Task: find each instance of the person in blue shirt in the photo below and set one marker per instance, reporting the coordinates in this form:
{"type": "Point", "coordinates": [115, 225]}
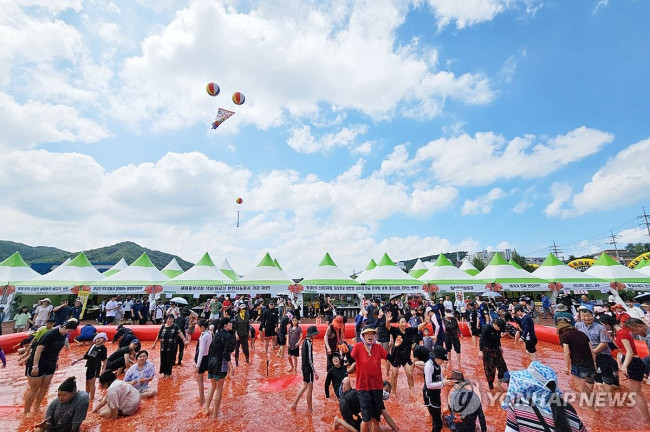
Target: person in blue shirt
{"type": "Point", "coordinates": [62, 313]}
{"type": "Point", "coordinates": [527, 332]}
{"type": "Point", "coordinates": [546, 306]}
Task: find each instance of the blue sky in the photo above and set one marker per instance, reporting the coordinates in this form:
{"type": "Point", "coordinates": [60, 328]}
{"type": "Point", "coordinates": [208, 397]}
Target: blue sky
{"type": "Point", "coordinates": [411, 128]}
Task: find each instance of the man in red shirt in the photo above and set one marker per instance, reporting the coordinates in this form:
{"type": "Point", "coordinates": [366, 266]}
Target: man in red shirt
{"type": "Point", "coordinates": [368, 356]}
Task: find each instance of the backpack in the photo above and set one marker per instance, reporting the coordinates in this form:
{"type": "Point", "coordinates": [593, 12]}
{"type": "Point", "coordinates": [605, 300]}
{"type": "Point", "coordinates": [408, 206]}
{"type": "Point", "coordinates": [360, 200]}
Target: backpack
{"type": "Point", "coordinates": [463, 403]}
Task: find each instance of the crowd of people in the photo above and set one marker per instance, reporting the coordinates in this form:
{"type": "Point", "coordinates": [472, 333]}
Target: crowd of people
{"type": "Point", "coordinates": [402, 333]}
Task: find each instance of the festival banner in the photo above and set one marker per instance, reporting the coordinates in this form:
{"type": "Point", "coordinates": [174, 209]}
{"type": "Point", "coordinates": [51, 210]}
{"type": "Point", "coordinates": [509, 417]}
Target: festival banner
{"type": "Point", "coordinates": [83, 292]}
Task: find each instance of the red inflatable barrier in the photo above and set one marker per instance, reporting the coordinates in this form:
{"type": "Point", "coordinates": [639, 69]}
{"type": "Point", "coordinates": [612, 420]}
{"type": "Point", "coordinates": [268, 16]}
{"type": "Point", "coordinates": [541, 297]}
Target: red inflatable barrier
{"type": "Point", "coordinates": [149, 333]}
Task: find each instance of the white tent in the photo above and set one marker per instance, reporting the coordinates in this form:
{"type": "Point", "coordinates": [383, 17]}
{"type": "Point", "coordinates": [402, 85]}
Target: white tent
{"type": "Point", "coordinates": [388, 274]}
{"type": "Point", "coordinates": [15, 269]}
{"type": "Point", "coordinates": [609, 269]}
{"type": "Point", "coordinates": [266, 277]}
{"type": "Point", "coordinates": [76, 272]}
{"type": "Point", "coordinates": [172, 269]}
{"type": "Point", "coordinates": [118, 267]}
{"type": "Point", "coordinates": [419, 268]}
{"type": "Point", "coordinates": [133, 279]}
{"type": "Point", "coordinates": [204, 277]}
{"type": "Point", "coordinates": [367, 273]}
{"type": "Point", "coordinates": [227, 270]}
{"type": "Point", "coordinates": [447, 277]}
{"type": "Point", "coordinates": [468, 267]}
{"type": "Point", "coordinates": [501, 273]}
{"type": "Point", "coordinates": [328, 278]}
{"type": "Point", "coordinates": [561, 276]}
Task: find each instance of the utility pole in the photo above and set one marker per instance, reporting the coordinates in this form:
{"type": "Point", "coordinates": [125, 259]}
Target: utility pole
{"type": "Point", "coordinates": [555, 250]}
{"type": "Point", "coordinates": [645, 217]}
{"type": "Point", "coordinates": [614, 243]}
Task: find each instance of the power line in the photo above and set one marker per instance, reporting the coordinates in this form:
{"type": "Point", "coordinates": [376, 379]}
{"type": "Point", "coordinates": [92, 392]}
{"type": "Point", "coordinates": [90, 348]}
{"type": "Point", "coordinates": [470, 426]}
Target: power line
{"type": "Point", "coordinates": [645, 217]}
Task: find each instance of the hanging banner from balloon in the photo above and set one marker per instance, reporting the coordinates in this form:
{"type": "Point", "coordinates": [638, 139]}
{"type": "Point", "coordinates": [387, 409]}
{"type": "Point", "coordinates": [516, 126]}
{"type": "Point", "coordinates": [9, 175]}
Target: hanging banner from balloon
{"type": "Point", "coordinates": [222, 116]}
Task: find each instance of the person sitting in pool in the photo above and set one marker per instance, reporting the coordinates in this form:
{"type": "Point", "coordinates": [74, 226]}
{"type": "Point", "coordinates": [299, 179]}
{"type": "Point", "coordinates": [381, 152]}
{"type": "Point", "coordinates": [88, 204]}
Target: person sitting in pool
{"type": "Point", "coordinates": [141, 374]}
{"type": "Point", "coordinates": [121, 399]}
{"type": "Point", "coordinates": [350, 408]}
{"type": "Point", "coordinates": [67, 411]}
{"type": "Point", "coordinates": [124, 357]}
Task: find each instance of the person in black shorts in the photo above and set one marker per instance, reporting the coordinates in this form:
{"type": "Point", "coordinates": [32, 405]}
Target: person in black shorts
{"type": "Point", "coordinates": [124, 357]}
{"type": "Point", "coordinates": [452, 333]}
{"type": "Point", "coordinates": [269, 325]}
{"type": "Point", "coordinates": [401, 353]}
{"type": "Point", "coordinates": [42, 363]}
{"type": "Point", "coordinates": [95, 362]}
{"type": "Point", "coordinates": [308, 371]}
{"type": "Point", "coordinates": [350, 408]}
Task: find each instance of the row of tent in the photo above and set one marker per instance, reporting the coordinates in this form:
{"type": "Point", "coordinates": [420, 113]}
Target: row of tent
{"type": "Point", "coordinates": [268, 277]}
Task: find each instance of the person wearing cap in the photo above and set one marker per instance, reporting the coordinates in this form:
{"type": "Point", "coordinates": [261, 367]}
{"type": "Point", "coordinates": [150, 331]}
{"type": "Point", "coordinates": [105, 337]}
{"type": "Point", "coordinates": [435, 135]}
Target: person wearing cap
{"type": "Point", "coordinates": [42, 363]}
{"type": "Point", "coordinates": [333, 339]}
{"type": "Point", "coordinates": [124, 357]}
{"type": "Point", "coordinates": [96, 360]}
{"type": "Point", "coordinates": [219, 364]}
{"type": "Point", "coordinates": [242, 332]}
{"type": "Point", "coordinates": [169, 335]}
{"type": "Point", "coordinates": [67, 411]}
{"type": "Point", "coordinates": [464, 405]}
{"type": "Point", "coordinates": [606, 367]}
{"type": "Point", "coordinates": [433, 384]}
{"type": "Point", "coordinates": [42, 312]}
{"type": "Point", "coordinates": [309, 373]}
{"type": "Point", "coordinates": [141, 374]}
{"type": "Point", "coordinates": [491, 352]}
{"type": "Point", "coordinates": [62, 312]}
{"type": "Point", "coordinates": [579, 359]}
{"type": "Point", "coordinates": [368, 356]}
{"type": "Point", "coordinates": [562, 313]}
{"type": "Point", "coordinates": [527, 332]}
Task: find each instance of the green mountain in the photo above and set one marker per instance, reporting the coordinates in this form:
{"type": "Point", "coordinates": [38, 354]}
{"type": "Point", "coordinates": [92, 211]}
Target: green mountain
{"type": "Point", "coordinates": [109, 254]}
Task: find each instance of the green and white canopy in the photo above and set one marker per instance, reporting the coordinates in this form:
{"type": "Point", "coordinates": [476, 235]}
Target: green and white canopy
{"type": "Point", "coordinates": [131, 280]}
{"type": "Point", "coordinates": [329, 278]}
{"type": "Point", "coordinates": [118, 267]}
{"type": "Point", "coordinates": [501, 272]}
{"type": "Point", "coordinates": [468, 268]}
{"type": "Point", "coordinates": [391, 278]}
{"type": "Point", "coordinates": [513, 263]}
{"type": "Point", "coordinates": [15, 269]}
{"type": "Point", "coordinates": [227, 270]}
{"type": "Point", "coordinates": [172, 269]}
{"type": "Point", "coordinates": [203, 278]}
{"type": "Point", "coordinates": [609, 269]}
{"type": "Point", "coordinates": [364, 275]}
{"type": "Point", "coordinates": [555, 271]}
{"type": "Point", "coordinates": [77, 271]}
{"type": "Point", "coordinates": [418, 269]}
{"type": "Point", "coordinates": [265, 278]}
{"type": "Point", "coordinates": [447, 277]}
{"type": "Point", "coordinates": [643, 267]}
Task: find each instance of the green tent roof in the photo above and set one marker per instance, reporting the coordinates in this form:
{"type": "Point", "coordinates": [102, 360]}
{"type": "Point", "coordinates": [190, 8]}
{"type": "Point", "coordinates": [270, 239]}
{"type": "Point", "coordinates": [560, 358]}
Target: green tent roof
{"type": "Point", "coordinates": [552, 260]}
{"type": "Point", "coordinates": [498, 260]}
{"type": "Point", "coordinates": [606, 260]}
{"type": "Point", "coordinates": [327, 260]}
{"type": "Point", "coordinates": [443, 261]}
{"type": "Point", "coordinates": [15, 260]}
{"type": "Point", "coordinates": [205, 261]}
{"type": "Point", "coordinates": [513, 263]}
{"type": "Point", "coordinates": [142, 261]}
{"type": "Point", "coordinates": [80, 261]}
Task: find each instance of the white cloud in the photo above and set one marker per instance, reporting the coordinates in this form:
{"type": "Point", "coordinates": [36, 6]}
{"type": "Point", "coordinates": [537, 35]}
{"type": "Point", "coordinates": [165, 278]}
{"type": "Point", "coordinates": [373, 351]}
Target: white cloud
{"type": "Point", "coordinates": [600, 4]}
{"type": "Point", "coordinates": [509, 68]}
{"type": "Point", "coordinates": [346, 58]}
{"type": "Point", "coordinates": [561, 193]}
{"type": "Point", "coordinates": [483, 204]}
{"type": "Point", "coordinates": [625, 179]}
{"type": "Point", "coordinates": [303, 141]}
{"type": "Point", "coordinates": [487, 156]}
{"type": "Point", "coordinates": [185, 202]}
{"type": "Point", "coordinates": [522, 206]}
{"type": "Point", "coordinates": [25, 125]}
{"type": "Point", "coordinates": [467, 12]}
